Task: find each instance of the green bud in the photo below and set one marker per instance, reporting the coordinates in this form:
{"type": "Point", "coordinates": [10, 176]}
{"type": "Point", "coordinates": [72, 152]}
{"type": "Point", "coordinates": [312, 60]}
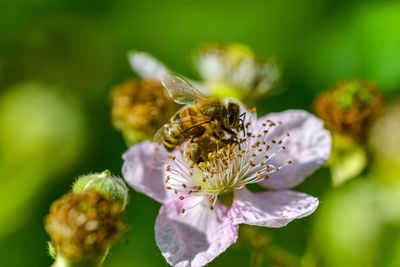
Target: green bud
{"type": "Point", "coordinates": [112, 187]}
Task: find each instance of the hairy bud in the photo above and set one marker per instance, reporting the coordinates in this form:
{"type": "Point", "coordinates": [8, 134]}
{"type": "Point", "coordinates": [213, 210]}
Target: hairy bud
{"type": "Point", "coordinates": [104, 183]}
{"type": "Point", "coordinates": [349, 107]}
{"type": "Point", "coordinates": [139, 108]}
{"type": "Point", "coordinates": [84, 226]}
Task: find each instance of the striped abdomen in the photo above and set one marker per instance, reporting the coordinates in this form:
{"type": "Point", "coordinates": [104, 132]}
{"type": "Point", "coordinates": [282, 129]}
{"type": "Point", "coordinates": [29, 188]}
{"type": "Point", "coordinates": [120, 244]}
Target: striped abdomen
{"type": "Point", "coordinates": [181, 127]}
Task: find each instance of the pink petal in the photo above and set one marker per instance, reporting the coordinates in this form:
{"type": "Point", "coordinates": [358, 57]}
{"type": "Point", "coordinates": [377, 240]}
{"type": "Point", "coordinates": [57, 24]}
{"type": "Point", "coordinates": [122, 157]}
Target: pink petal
{"type": "Point", "coordinates": [196, 237]}
{"type": "Point", "coordinates": [142, 172]}
{"type": "Point", "coordinates": [146, 65]}
{"type": "Point", "coordinates": [271, 209]}
{"type": "Point", "coordinates": [308, 147]}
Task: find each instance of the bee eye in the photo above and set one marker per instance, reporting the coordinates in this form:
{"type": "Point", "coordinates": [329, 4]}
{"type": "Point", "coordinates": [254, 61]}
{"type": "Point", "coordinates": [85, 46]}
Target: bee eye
{"type": "Point", "coordinates": [231, 119]}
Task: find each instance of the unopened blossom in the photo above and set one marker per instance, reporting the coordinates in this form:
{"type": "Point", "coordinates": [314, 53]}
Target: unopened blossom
{"type": "Point", "coordinates": [110, 186]}
{"type": "Point", "coordinates": [139, 108]}
{"type": "Point", "coordinates": [83, 227]}
{"type": "Point", "coordinates": [230, 70]}
{"type": "Point", "coordinates": [235, 68]}
{"type": "Point", "coordinates": [204, 204]}
{"type": "Point", "coordinates": [349, 107]}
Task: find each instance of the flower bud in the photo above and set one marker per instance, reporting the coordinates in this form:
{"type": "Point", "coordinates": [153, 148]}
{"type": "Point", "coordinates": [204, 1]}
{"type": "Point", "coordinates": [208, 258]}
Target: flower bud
{"type": "Point", "coordinates": [349, 107]}
{"type": "Point", "coordinates": [83, 227]}
{"type": "Point", "coordinates": [139, 108]}
{"type": "Point", "coordinates": [111, 187]}
{"type": "Point", "coordinates": [233, 70]}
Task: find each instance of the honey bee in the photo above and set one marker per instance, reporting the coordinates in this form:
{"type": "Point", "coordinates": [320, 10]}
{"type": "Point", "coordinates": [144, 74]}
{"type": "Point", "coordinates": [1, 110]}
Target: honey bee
{"type": "Point", "coordinates": [203, 116]}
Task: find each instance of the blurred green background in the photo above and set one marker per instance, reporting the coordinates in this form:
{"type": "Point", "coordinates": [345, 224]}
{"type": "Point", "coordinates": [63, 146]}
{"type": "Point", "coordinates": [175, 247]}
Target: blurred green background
{"type": "Point", "coordinates": [58, 60]}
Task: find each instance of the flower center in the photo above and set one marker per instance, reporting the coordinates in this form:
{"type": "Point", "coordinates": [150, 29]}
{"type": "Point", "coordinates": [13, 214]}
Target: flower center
{"type": "Point", "coordinates": [250, 160]}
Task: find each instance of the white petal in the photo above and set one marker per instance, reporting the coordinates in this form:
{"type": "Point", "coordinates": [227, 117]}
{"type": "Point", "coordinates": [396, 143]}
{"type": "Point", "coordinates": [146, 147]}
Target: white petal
{"type": "Point", "coordinates": [271, 209]}
{"type": "Point", "coordinates": [141, 172]}
{"type": "Point", "coordinates": [146, 65]}
{"type": "Point", "coordinates": [196, 237]}
{"type": "Point", "coordinates": [308, 147]}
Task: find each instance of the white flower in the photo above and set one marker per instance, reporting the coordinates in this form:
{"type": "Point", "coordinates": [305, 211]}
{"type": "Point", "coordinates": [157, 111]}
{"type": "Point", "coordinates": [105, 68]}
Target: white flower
{"type": "Point", "coordinates": [193, 226]}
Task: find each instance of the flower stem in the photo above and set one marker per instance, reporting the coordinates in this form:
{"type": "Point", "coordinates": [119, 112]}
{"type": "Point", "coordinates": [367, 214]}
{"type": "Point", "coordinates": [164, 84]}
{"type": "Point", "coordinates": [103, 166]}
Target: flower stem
{"type": "Point", "coordinates": [63, 262]}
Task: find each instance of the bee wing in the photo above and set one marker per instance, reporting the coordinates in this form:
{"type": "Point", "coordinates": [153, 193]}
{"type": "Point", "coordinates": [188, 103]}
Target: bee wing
{"type": "Point", "coordinates": [159, 136]}
{"type": "Point", "coordinates": [180, 90]}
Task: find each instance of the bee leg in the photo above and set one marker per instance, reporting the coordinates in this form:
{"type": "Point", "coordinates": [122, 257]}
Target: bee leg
{"type": "Point", "coordinates": [229, 131]}
{"type": "Point", "coordinates": [242, 120]}
{"type": "Point", "coordinates": [225, 141]}
{"type": "Point", "coordinates": [195, 152]}
{"type": "Point", "coordinates": [201, 131]}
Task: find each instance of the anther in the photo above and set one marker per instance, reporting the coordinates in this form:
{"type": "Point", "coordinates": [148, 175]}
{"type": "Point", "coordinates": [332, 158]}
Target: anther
{"type": "Point", "coordinates": [183, 210]}
{"type": "Point", "coordinates": [183, 185]}
{"type": "Point", "coordinates": [181, 198]}
{"type": "Point", "coordinates": [168, 168]}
